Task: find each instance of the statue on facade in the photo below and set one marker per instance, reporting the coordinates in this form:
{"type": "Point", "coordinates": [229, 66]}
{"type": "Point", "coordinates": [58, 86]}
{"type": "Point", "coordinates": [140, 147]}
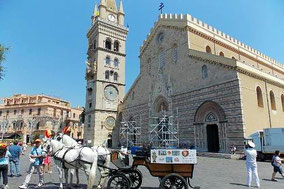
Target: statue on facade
{"type": "Point", "coordinates": [91, 69]}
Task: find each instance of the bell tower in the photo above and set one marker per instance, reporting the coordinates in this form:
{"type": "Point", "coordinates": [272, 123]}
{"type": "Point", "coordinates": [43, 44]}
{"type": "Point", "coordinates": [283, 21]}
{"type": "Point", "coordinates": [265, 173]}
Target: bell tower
{"type": "Point", "coordinates": [105, 72]}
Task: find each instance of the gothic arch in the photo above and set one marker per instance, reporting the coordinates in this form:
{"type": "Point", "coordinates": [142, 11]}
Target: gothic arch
{"type": "Point", "coordinates": [207, 108]}
{"type": "Point", "coordinates": [210, 125]}
{"type": "Point", "coordinates": [160, 104]}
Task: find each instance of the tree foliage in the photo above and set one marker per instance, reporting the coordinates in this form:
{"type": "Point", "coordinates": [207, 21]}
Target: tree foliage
{"type": "Point", "coordinates": [2, 58]}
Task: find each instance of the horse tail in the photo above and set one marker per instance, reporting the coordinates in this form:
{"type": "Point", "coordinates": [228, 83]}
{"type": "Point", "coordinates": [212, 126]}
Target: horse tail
{"type": "Point", "coordinates": [93, 172]}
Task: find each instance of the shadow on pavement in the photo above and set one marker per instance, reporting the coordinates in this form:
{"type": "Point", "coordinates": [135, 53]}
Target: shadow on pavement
{"type": "Point", "coordinates": [269, 180]}
{"type": "Point", "coordinates": [50, 185]}
{"type": "Point", "coordinates": [238, 184]}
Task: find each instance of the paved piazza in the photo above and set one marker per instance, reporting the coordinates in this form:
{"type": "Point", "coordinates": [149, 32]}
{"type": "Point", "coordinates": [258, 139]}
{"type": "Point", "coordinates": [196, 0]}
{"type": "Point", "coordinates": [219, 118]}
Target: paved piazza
{"type": "Point", "coordinates": [210, 173]}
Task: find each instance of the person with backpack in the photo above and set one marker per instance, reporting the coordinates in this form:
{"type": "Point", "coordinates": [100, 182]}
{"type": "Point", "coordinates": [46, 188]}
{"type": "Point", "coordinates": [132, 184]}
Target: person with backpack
{"type": "Point", "coordinates": [277, 165]}
{"type": "Point", "coordinates": [36, 159]}
{"type": "Point", "coordinates": [4, 161]}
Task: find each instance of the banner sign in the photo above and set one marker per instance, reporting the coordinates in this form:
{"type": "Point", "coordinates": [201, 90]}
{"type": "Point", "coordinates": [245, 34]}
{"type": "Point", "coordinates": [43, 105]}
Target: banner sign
{"type": "Point", "coordinates": [173, 156]}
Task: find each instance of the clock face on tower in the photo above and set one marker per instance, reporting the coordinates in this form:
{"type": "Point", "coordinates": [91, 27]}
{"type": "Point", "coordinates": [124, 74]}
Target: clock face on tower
{"type": "Point", "coordinates": [110, 122]}
{"type": "Point", "coordinates": [111, 17]}
{"type": "Point", "coordinates": [111, 93]}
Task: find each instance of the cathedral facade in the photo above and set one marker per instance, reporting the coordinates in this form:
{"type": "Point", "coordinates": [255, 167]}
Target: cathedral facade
{"type": "Point", "coordinates": [217, 90]}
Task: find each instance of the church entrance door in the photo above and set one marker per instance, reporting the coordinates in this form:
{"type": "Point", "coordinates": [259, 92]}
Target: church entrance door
{"type": "Point", "coordinates": [212, 138]}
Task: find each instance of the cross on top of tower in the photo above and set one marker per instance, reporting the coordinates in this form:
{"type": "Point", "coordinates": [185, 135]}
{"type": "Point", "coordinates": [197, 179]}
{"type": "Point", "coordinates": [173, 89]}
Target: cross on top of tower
{"type": "Point", "coordinates": [161, 6]}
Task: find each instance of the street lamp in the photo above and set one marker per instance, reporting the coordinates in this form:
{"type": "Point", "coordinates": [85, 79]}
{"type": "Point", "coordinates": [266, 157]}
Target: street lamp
{"type": "Point", "coordinates": [4, 126]}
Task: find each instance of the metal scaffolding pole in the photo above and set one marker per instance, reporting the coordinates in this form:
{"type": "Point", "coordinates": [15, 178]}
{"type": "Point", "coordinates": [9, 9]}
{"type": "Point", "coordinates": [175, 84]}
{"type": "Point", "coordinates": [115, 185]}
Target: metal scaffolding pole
{"type": "Point", "coordinates": [163, 132]}
{"type": "Point", "coordinates": [130, 133]}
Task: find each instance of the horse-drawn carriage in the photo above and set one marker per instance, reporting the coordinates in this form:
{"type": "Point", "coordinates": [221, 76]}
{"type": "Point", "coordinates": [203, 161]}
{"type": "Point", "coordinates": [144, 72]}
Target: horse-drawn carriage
{"type": "Point", "coordinates": [174, 168]}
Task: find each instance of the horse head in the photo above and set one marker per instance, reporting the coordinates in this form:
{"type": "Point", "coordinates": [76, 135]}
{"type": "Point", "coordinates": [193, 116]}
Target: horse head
{"type": "Point", "coordinates": [46, 147]}
{"type": "Point", "coordinates": [59, 137]}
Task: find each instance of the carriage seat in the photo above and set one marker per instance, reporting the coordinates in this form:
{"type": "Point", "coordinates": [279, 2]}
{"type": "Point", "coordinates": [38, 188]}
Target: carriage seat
{"type": "Point", "coordinates": [142, 153]}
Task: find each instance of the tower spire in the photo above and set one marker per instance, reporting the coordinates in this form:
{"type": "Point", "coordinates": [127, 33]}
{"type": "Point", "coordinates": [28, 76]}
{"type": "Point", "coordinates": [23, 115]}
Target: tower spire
{"type": "Point", "coordinates": [103, 2]}
{"type": "Point", "coordinates": [95, 13]}
{"type": "Point", "coordinates": [121, 7]}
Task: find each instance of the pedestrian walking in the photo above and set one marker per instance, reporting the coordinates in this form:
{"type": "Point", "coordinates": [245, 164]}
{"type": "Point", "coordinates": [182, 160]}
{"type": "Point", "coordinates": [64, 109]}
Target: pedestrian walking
{"type": "Point", "coordinates": [25, 146]}
{"type": "Point", "coordinates": [14, 160]}
{"type": "Point", "coordinates": [4, 160]}
{"type": "Point", "coordinates": [277, 165]}
{"type": "Point", "coordinates": [47, 164]}
{"type": "Point", "coordinates": [233, 149]}
{"type": "Point", "coordinates": [251, 164]}
{"type": "Point", "coordinates": [36, 159]}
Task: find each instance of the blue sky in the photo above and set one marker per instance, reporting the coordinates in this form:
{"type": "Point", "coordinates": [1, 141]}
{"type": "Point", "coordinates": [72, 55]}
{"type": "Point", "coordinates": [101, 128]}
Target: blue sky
{"type": "Point", "coordinates": [48, 43]}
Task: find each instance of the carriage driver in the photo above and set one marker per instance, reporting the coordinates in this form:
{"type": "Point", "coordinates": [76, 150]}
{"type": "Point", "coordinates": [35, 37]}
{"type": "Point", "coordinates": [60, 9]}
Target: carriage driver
{"type": "Point", "coordinates": [124, 156]}
{"type": "Point", "coordinates": [102, 159]}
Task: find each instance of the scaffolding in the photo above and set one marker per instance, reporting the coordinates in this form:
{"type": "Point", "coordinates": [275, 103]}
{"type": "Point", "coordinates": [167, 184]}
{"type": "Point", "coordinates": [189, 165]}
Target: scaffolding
{"type": "Point", "coordinates": [130, 134]}
{"type": "Point", "coordinates": [163, 132]}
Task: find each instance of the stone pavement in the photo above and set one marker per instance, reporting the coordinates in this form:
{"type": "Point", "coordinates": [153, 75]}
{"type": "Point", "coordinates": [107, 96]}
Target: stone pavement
{"type": "Point", "coordinates": [209, 173]}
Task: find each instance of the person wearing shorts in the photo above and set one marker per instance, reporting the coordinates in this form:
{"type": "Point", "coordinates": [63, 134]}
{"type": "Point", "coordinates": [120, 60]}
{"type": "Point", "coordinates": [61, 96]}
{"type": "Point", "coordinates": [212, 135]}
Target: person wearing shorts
{"type": "Point", "coordinates": [277, 165]}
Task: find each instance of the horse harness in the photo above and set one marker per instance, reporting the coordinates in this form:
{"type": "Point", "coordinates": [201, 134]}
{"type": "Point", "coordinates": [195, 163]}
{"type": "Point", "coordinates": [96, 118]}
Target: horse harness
{"type": "Point", "coordinates": [63, 161]}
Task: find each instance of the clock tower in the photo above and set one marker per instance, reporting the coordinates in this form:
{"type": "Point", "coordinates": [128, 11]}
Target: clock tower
{"type": "Point", "coordinates": [105, 73]}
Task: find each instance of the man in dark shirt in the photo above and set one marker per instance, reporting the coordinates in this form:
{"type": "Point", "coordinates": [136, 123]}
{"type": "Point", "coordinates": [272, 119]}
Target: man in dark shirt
{"type": "Point", "coordinates": [14, 161]}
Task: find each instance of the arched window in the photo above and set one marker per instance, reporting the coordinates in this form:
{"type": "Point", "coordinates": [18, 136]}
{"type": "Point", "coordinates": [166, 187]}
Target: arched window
{"type": "Point", "coordinates": [259, 97]}
{"type": "Point", "coordinates": [90, 91]}
{"type": "Point", "coordinates": [108, 61]}
{"type": "Point", "coordinates": [95, 44]}
{"type": "Point", "coordinates": [204, 72]}
{"type": "Point", "coordinates": [221, 54]}
{"type": "Point", "coordinates": [282, 100]}
{"type": "Point", "coordinates": [108, 44]}
{"type": "Point", "coordinates": [37, 125]}
{"type": "Point", "coordinates": [38, 111]}
{"type": "Point", "coordinates": [162, 59]}
{"type": "Point", "coordinates": [133, 95]}
{"type": "Point", "coordinates": [208, 49]}
{"type": "Point", "coordinates": [116, 46]}
{"type": "Point", "coordinates": [272, 100]}
{"type": "Point", "coordinates": [89, 120]}
{"type": "Point", "coordinates": [175, 53]}
{"type": "Point", "coordinates": [115, 76]}
{"type": "Point", "coordinates": [107, 74]}
{"type": "Point", "coordinates": [115, 62]}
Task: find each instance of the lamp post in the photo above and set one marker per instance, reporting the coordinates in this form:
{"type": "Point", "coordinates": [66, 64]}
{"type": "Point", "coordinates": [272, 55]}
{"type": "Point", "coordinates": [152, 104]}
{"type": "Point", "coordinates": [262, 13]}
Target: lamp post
{"type": "Point", "coordinates": [4, 126]}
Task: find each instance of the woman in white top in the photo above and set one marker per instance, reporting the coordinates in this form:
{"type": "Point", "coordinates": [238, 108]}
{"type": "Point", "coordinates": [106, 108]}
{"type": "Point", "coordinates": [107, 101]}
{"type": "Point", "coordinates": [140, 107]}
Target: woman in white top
{"type": "Point", "coordinates": [277, 165]}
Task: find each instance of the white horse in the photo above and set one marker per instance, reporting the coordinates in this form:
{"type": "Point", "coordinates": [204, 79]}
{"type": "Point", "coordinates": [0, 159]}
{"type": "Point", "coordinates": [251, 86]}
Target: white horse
{"type": "Point", "coordinates": [71, 158]}
{"type": "Point", "coordinates": [103, 153]}
{"type": "Point", "coordinates": [69, 142]}
{"type": "Point", "coordinates": [63, 170]}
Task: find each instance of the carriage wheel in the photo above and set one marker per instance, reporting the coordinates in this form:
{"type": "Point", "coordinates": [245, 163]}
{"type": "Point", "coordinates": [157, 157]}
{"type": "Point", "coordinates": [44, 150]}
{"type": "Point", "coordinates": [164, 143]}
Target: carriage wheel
{"type": "Point", "coordinates": [118, 181]}
{"type": "Point", "coordinates": [135, 177]}
{"type": "Point", "coordinates": [173, 181]}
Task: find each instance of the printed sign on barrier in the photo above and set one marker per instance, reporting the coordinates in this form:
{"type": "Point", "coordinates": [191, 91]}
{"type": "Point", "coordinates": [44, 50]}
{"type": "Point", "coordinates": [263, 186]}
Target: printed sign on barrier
{"type": "Point", "coordinates": [173, 156]}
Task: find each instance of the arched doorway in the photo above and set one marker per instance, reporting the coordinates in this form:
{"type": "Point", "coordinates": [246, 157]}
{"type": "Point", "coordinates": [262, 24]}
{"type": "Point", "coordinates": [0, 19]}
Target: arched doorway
{"type": "Point", "coordinates": [210, 132]}
{"type": "Point", "coordinates": [212, 138]}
